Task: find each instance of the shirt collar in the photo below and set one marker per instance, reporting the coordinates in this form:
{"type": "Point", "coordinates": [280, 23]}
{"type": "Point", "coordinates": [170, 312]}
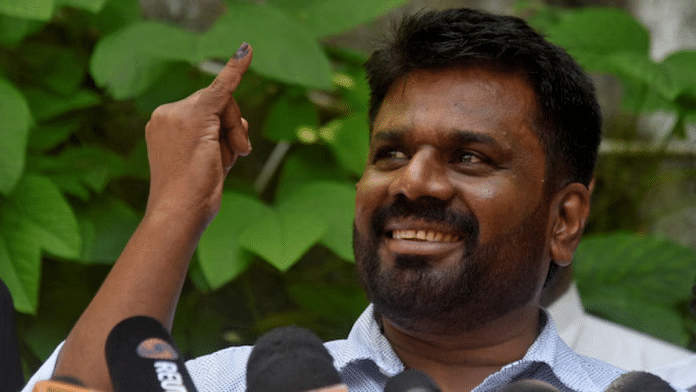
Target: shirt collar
{"type": "Point", "coordinates": [366, 342]}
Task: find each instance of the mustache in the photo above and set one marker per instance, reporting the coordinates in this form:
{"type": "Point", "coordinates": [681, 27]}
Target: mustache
{"type": "Point", "coordinates": [429, 209]}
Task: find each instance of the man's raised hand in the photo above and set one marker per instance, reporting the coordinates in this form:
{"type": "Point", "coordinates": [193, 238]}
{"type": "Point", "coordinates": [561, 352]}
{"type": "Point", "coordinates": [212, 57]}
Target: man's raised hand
{"type": "Point", "coordinates": [193, 143]}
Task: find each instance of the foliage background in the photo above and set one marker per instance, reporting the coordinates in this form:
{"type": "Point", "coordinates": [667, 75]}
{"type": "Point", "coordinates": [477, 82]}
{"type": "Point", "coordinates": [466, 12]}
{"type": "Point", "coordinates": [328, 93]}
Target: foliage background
{"type": "Point", "coordinates": [79, 78]}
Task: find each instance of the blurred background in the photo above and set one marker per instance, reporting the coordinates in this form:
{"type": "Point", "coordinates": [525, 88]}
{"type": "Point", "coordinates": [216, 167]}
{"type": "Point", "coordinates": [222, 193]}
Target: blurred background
{"type": "Point", "coordinates": [79, 79]}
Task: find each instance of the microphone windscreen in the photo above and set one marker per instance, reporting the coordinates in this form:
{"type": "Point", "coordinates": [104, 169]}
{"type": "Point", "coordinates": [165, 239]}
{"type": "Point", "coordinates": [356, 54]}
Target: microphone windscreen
{"type": "Point", "coordinates": [411, 380]}
{"type": "Point", "coordinates": [529, 386]}
{"type": "Point", "coordinates": [639, 381]}
{"type": "Point", "coordinates": [141, 356]}
{"type": "Point", "coordinates": [290, 359]}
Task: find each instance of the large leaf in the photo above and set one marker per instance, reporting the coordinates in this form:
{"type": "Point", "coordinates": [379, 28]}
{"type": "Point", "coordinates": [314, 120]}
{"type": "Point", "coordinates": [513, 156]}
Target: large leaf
{"type": "Point", "coordinates": [619, 306]}
{"type": "Point", "coordinates": [106, 224]}
{"type": "Point", "coordinates": [327, 17]}
{"type": "Point", "coordinates": [33, 217]}
{"type": "Point", "coordinates": [79, 170]}
{"type": "Point", "coordinates": [41, 59]}
{"type": "Point", "coordinates": [681, 66]}
{"type": "Point", "coordinates": [594, 32]}
{"type": "Point", "coordinates": [335, 203]}
{"type": "Point", "coordinates": [307, 164]}
{"type": "Point", "coordinates": [89, 5]}
{"type": "Point", "coordinates": [282, 236]}
{"type": "Point", "coordinates": [289, 115]}
{"type": "Point", "coordinates": [27, 9]}
{"type": "Point", "coordinates": [14, 131]}
{"type": "Point", "coordinates": [350, 140]}
{"type": "Point", "coordinates": [129, 60]}
{"type": "Point", "coordinates": [219, 250]}
{"type": "Point", "coordinates": [284, 50]}
{"type": "Point", "coordinates": [649, 269]}
{"type": "Point", "coordinates": [13, 30]}
{"type": "Point", "coordinates": [46, 105]}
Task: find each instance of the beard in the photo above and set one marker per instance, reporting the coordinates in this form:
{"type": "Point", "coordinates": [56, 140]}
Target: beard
{"type": "Point", "coordinates": [490, 280]}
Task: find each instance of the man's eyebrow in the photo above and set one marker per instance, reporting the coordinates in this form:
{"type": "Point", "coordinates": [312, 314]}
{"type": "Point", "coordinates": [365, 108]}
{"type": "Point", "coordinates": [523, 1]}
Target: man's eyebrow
{"type": "Point", "coordinates": [452, 137]}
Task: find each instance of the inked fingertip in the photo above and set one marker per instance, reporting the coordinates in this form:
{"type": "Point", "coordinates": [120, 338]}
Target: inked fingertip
{"type": "Point", "coordinates": [242, 51]}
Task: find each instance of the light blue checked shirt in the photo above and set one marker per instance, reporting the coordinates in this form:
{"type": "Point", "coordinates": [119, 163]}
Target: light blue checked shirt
{"type": "Point", "coordinates": [366, 361]}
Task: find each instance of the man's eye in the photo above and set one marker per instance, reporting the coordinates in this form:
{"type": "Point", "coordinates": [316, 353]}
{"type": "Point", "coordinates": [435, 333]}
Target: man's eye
{"type": "Point", "coordinates": [469, 157]}
{"type": "Point", "coordinates": [390, 154]}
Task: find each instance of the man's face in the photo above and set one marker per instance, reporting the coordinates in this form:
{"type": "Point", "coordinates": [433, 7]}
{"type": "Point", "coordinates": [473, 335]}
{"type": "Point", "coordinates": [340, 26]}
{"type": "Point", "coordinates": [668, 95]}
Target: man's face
{"type": "Point", "coordinates": [451, 220]}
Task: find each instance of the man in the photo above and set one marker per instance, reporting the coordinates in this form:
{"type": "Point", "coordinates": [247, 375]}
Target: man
{"type": "Point", "coordinates": [483, 143]}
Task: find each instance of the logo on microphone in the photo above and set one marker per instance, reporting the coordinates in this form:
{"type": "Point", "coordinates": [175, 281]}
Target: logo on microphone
{"type": "Point", "coordinates": [156, 348]}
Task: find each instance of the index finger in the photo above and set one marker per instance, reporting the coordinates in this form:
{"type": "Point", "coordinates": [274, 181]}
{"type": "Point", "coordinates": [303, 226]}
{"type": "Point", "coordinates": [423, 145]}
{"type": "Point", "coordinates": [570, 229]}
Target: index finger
{"type": "Point", "coordinates": [227, 80]}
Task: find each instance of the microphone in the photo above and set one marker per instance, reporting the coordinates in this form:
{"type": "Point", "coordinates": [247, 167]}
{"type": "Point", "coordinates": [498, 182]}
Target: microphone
{"type": "Point", "coordinates": [291, 359]}
{"type": "Point", "coordinates": [411, 380]}
{"type": "Point", "coordinates": [636, 381]}
{"type": "Point", "coordinates": [529, 386]}
{"type": "Point", "coordinates": [141, 356]}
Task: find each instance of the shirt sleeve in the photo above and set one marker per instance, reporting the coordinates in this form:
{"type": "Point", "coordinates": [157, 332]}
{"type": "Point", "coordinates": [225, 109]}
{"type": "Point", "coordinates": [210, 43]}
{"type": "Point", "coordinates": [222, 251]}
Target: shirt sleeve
{"type": "Point", "coordinates": [45, 371]}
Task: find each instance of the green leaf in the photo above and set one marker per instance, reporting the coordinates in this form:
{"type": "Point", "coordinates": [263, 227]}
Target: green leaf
{"type": "Point", "coordinates": [307, 164]}
{"type": "Point", "coordinates": [79, 170]}
{"type": "Point", "coordinates": [41, 58]}
{"type": "Point", "coordinates": [332, 302]}
{"type": "Point", "coordinates": [619, 306]}
{"type": "Point", "coordinates": [46, 105]}
{"type": "Point", "coordinates": [329, 17]}
{"type": "Point", "coordinates": [648, 269]}
{"type": "Point", "coordinates": [335, 203]}
{"type": "Point", "coordinates": [46, 136]}
{"type": "Point", "coordinates": [350, 140]}
{"type": "Point", "coordinates": [289, 115]}
{"type": "Point", "coordinates": [93, 6]}
{"type": "Point", "coordinates": [106, 225]}
{"type": "Point", "coordinates": [595, 32]}
{"type": "Point", "coordinates": [681, 66]}
{"type": "Point", "coordinates": [13, 30]}
{"type": "Point", "coordinates": [129, 60]}
{"type": "Point", "coordinates": [14, 131]}
{"type": "Point", "coordinates": [27, 9]}
{"type": "Point", "coordinates": [163, 90]}
{"type": "Point", "coordinates": [33, 217]}
{"type": "Point", "coordinates": [638, 67]}
{"type": "Point", "coordinates": [282, 236]}
{"type": "Point", "coordinates": [219, 250]}
{"type": "Point", "coordinates": [284, 50]}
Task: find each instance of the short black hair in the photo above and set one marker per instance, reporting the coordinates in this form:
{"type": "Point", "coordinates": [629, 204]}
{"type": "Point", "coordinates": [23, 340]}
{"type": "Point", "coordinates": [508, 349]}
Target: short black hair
{"type": "Point", "coordinates": [568, 122]}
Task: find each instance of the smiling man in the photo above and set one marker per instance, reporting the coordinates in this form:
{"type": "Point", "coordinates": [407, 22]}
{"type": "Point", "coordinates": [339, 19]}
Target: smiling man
{"type": "Point", "coordinates": [483, 142]}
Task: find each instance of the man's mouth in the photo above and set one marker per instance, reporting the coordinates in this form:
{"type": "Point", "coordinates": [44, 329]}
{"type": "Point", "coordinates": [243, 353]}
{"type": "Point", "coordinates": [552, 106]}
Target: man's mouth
{"type": "Point", "coordinates": [423, 235]}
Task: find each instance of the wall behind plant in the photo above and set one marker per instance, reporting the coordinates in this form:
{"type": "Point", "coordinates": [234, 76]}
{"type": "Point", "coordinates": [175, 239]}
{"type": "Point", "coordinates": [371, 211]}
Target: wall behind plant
{"type": "Point", "coordinates": [79, 78]}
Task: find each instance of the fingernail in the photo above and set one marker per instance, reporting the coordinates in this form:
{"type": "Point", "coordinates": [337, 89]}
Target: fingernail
{"type": "Point", "coordinates": [242, 51]}
{"type": "Point", "coordinates": [249, 148]}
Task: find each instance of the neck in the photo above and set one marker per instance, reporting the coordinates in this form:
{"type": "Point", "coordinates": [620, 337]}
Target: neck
{"type": "Point", "coordinates": [462, 360]}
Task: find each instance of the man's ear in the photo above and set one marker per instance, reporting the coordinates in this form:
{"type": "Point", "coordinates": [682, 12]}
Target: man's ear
{"type": "Point", "coordinates": [571, 208]}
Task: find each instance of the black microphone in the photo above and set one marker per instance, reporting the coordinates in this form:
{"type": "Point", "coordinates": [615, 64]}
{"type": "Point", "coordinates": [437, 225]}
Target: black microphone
{"type": "Point", "coordinates": [291, 359]}
{"type": "Point", "coordinates": [141, 357]}
{"type": "Point", "coordinates": [636, 381]}
{"type": "Point", "coordinates": [529, 386]}
{"type": "Point", "coordinates": [411, 380]}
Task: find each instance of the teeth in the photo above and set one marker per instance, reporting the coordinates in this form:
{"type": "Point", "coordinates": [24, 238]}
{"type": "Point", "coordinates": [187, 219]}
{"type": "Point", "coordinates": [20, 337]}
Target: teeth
{"type": "Point", "coordinates": [424, 235]}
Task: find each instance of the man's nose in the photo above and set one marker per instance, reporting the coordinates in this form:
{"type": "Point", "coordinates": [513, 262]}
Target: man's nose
{"type": "Point", "coordinates": [424, 175]}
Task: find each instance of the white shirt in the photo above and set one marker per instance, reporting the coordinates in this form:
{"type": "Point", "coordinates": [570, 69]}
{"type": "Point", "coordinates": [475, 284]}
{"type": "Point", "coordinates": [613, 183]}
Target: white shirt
{"type": "Point", "coordinates": [366, 361]}
{"type": "Point", "coordinates": [610, 342]}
